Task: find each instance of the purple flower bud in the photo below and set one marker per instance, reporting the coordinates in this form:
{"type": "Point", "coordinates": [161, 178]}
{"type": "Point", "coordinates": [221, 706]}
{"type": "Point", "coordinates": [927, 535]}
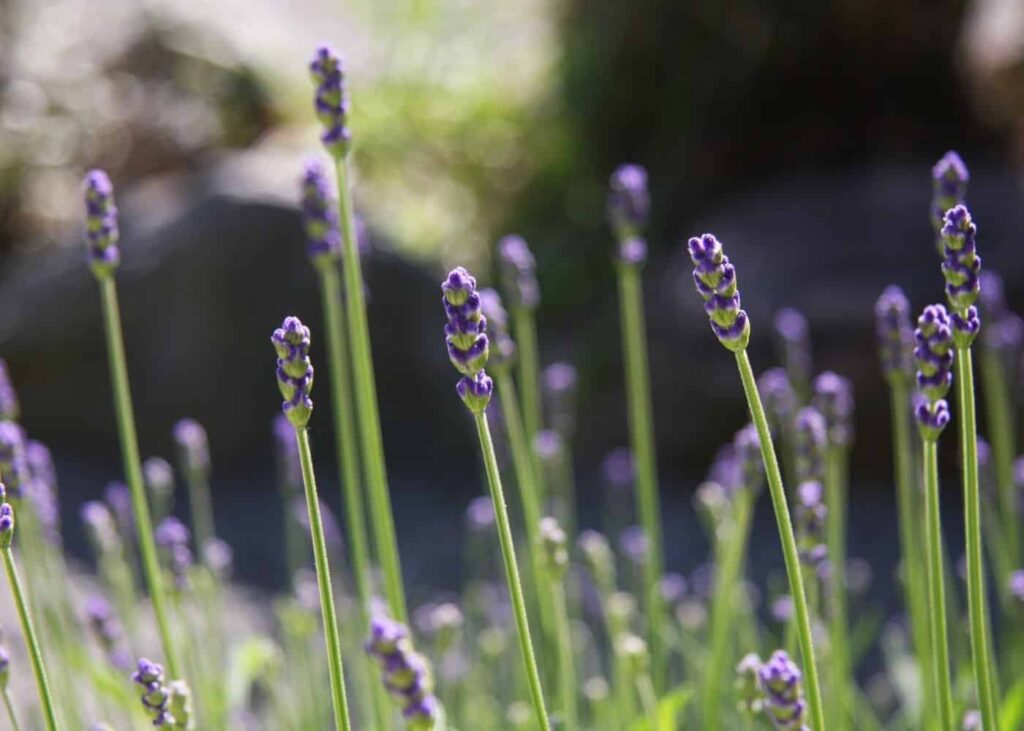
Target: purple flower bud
{"type": "Point", "coordinates": [747, 448]}
{"type": "Point", "coordinates": [895, 335]}
{"type": "Point", "coordinates": [548, 445]}
{"type": "Point", "coordinates": [13, 460]}
{"type": "Point", "coordinates": [502, 347]}
{"type": "Point", "coordinates": [155, 694]}
{"type": "Point", "coordinates": [810, 437]}
{"type": "Point", "coordinates": [932, 418]}
{"type": "Point", "coordinates": [934, 352]}
{"type": "Point", "coordinates": [475, 392]}
{"type": "Point", "coordinates": [99, 526]}
{"type": "Point", "coordinates": [617, 468]}
{"type": "Point", "coordinates": [960, 263]}
{"type": "Point", "coordinates": [319, 219]}
{"type": "Point", "coordinates": [405, 672]}
{"type": "Point", "coordinates": [633, 251]}
{"type": "Point", "coordinates": [833, 398]}
{"type": "Point", "coordinates": [173, 538]}
{"type": "Point", "coordinates": [193, 448]}
{"type": "Point", "coordinates": [331, 101]}
{"type": "Point", "coordinates": [294, 371]}
{"type": "Point", "coordinates": [118, 498]}
{"type": "Point", "coordinates": [41, 489]}
{"type": "Point", "coordinates": [782, 608]}
{"type": "Point", "coordinates": [965, 327]}
{"type": "Point", "coordinates": [949, 188]}
{"type": "Point", "coordinates": [972, 721]}
{"type": "Point", "coordinates": [5, 667]}
{"type": "Point", "coordinates": [105, 626]}
{"type": "Point", "coordinates": [779, 399]}
{"type": "Point", "coordinates": [795, 345]}
{"type": "Point", "coordinates": [1017, 585]}
{"type": "Point", "coordinates": [466, 337]}
{"type": "Point", "coordinates": [673, 588]}
{"type": "Point", "coordinates": [715, 279]}
{"type": "Point", "coordinates": [6, 524]}
{"type": "Point", "coordinates": [101, 229]}
{"type": "Point", "coordinates": [629, 203]}
{"type": "Point", "coordinates": [10, 409]}
{"type": "Point", "coordinates": [518, 270]}
{"type": "Point", "coordinates": [158, 475]}
{"type": "Point", "coordinates": [219, 556]}
{"type": "Point", "coordinates": [780, 681]}
{"type": "Point", "coordinates": [634, 545]}
{"type": "Point", "coordinates": [480, 514]}
{"type": "Point", "coordinates": [809, 516]}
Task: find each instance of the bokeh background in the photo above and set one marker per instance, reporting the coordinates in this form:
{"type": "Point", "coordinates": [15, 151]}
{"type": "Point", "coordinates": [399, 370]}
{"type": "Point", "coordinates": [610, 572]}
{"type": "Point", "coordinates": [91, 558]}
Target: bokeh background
{"type": "Point", "coordinates": [802, 133]}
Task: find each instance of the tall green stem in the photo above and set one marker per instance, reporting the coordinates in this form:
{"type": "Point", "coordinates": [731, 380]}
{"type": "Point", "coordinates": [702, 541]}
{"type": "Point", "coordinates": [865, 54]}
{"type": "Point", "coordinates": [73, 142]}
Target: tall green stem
{"type": "Point", "coordinates": [10, 709]}
{"type": "Point", "coordinates": [835, 538]}
{"type": "Point", "coordinates": [914, 564]}
{"type": "Point", "coordinates": [976, 604]}
{"type": "Point", "coordinates": [788, 540]}
{"type": "Point", "coordinates": [528, 366]}
{"type": "Point", "coordinates": [508, 553]}
{"type": "Point", "coordinates": [31, 640]}
{"type": "Point", "coordinates": [527, 494]}
{"type": "Point", "coordinates": [133, 468]}
{"type": "Point", "coordinates": [936, 586]}
{"type": "Point", "coordinates": [201, 509]}
{"type": "Point", "coordinates": [566, 667]}
{"type": "Point", "coordinates": [323, 580]}
{"type": "Point", "coordinates": [1003, 434]}
{"type": "Point", "coordinates": [641, 426]}
{"type": "Point", "coordinates": [366, 406]}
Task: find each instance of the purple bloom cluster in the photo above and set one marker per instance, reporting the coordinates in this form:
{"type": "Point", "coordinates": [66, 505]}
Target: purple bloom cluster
{"type": "Point", "coordinates": [949, 188]}
{"type": "Point", "coordinates": [779, 679]}
{"type": "Point", "coordinates": [747, 449]}
{"type": "Point", "coordinates": [193, 447]}
{"type": "Point", "coordinates": [173, 539]}
{"type": "Point", "coordinates": [809, 516]}
{"type": "Point", "coordinates": [156, 696]}
{"type": "Point", "coordinates": [1016, 583]}
{"type": "Point", "coordinates": [466, 337]}
{"type": "Point", "coordinates": [41, 489]}
{"type": "Point", "coordinates": [294, 371]}
{"type": "Point", "coordinates": [13, 459]}
{"type": "Point", "coordinates": [961, 264]}
{"type": "Point", "coordinates": [559, 382]}
{"type": "Point", "coordinates": [319, 219]}
{"type": "Point", "coordinates": [5, 667]}
{"type": "Point", "coordinates": [629, 205]}
{"type": "Point", "coordinates": [934, 357]}
{"type": "Point", "coordinates": [6, 519]}
{"type": "Point", "coordinates": [617, 469]}
{"type": "Point", "coordinates": [503, 348]}
{"type": "Point", "coordinates": [794, 338]}
{"type": "Point", "coordinates": [101, 228]}
{"type": "Point", "coordinates": [9, 406]}
{"type": "Point", "coordinates": [107, 629]}
{"type": "Point", "coordinates": [406, 674]}
{"type": "Point", "coordinates": [715, 278]}
{"type": "Point", "coordinates": [833, 398]}
{"type": "Point", "coordinates": [810, 437]}
{"type": "Point", "coordinates": [331, 101]}
{"type": "Point", "coordinates": [779, 398]}
{"type": "Point", "coordinates": [518, 271]}
{"type": "Point", "coordinates": [895, 334]}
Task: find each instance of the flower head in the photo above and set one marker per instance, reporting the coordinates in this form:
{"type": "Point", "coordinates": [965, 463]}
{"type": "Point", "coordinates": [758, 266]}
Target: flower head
{"type": "Point", "coordinates": [518, 270]}
{"type": "Point", "coordinates": [617, 469]}
{"type": "Point", "coordinates": [13, 459]}
{"type": "Point", "coordinates": [319, 219]}
{"type": "Point", "coordinates": [810, 436]}
{"type": "Point", "coordinates": [961, 264]}
{"type": "Point", "coordinates": [780, 681]}
{"type": "Point", "coordinates": [6, 524]}
{"type": "Point", "coordinates": [173, 538]}
{"type": "Point", "coordinates": [158, 475]}
{"type": "Point", "coordinates": [795, 344]}
{"type": "Point", "coordinates": [193, 448]}
{"type": "Point", "coordinates": [5, 667]}
{"type": "Point", "coordinates": [810, 514]}
{"type": "Point", "coordinates": [949, 188]}
{"type": "Point", "coordinates": [331, 101]}
{"type": "Point", "coordinates": [833, 398]}
{"type": "Point", "coordinates": [9, 407]}
{"type": "Point", "coordinates": [747, 448]}
{"type": "Point", "coordinates": [779, 399]}
{"type": "Point", "coordinates": [294, 371]}
{"type": "Point", "coordinates": [155, 694]}
{"type": "Point", "coordinates": [406, 673]}
{"type": "Point", "coordinates": [715, 279]}
{"type": "Point", "coordinates": [1017, 585]}
{"type": "Point", "coordinates": [895, 334]}
{"type": "Point", "coordinates": [934, 357]}
{"type": "Point", "coordinates": [629, 203]}
{"type": "Point", "coordinates": [465, 334]}
{"type": "Point", "coordinates": [503, 348]}
{"type": "Point", "coordinates": [101, 227]}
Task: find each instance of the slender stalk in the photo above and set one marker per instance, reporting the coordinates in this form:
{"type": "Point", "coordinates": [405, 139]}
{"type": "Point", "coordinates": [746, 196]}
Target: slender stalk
{"type": "Point", "coordinates": [367, 408]}
{"type": "Point", "coordinates": [133, 469]}
{"type": "Point", "coordinates": [566, 667]}
{"type": "Point", "coordinates": [936, 586]}
{"type": "Point", "coordinates": [789, 548]}
{"type": "Point", "coordinates": [201, 509]}
{"type": "Point", "coordinates": [10, 709]}
{"type": "Point", "coordinates": [835, 538]}
{"type": "Point", "coordinates": [649, 700]}
{"type": "Point", "coordinates": [1003, 434]}
{"type": "Point", "coordinates": [528, 496]}
{"type": "Point", "coordinates": [323, 580]}
{"type": "Point", "coordinates": [641, 426]}
{"type": "Point", "coordinates": [914, 564]}
{"type": "Point", "coordinates": [31, 640]}
{"type": "Point", "coordinates": [345, 437]}
{"type": "Point", "coordinates": [976, 604]}
{"type": "Point", "coordinates": [723, 606]}
{"type": "Point", "coordinates": [508, 553]}
{"type": "Point", "coordinates": [528, 362]}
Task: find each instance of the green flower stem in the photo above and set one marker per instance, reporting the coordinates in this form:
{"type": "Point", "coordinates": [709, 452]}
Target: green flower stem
{"type": "Point", "coordinates": [133, 469]}
{"type": "Point", "coordinates": [915, 579]}
{"type": "Point", "coordinates": [367, 408]}
{"type": "Point", "coordinates": [1001, 430]}
{"type": "Point", "coordinates": [648, 699]}
{"type": "Point", "coordinates": [323, 580]}
{"type": "Point", "coordinates": [732, 549]}
{"type": "Point", "coordinates": [789, 548]}
{"type": "Point", "coordinates": [980, 630]}
{"type": "Point", "coordinates": [31, 640]}
{"type": "Point", "coordinates": [566, 667]}
{"type": "Point", "coordinates": [10, 709]}
{"type": "Point", "coordinates": [936, 587]}
{"type": "Point", "coordinates": [508, 553]}
{"type": "Point", "coordinates": [530, 499]}
{"type": "Point", "coordinates": [201, 508]}
{"type": "Point", "coordinates": [641, 426]}
{"type": "Point", "coordinates": [528, 362]}
{"type": "Point", "coordinates": [345, 437]}
{"type": "Point", "coordinates": [835, 539]}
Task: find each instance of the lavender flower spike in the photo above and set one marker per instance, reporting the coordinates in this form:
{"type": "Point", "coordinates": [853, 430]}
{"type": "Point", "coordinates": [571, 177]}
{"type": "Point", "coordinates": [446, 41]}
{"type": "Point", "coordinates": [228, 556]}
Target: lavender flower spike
{"type": "Point", "coordinates": [961, 264]}
{"type": "Point", "coordinates": [101, 227]}
{"type": "Point", "coordinates": [9, 407]}
{"type": "Point", "coordinates": [895, 335]}
{"type": "Point", "coordinates": [629, 205]}
{"type": "Point", "coordinates": [811, 436]}
{"type": "Point", "coordinates": [518, 270]}
{"type": "Point", "coordinates": [795, 343]}
{"type": "Point", "coordinates": [949, 188]}
{"type": "Point", "coordinates": [294, 371]}
{"type": "Point", "coordinates": [319, 217]}
{"type": "Point", "coordinates": [503, 348]}
{"type": "Point", "coordinates": [193, 447]}
{"type": "Point", "coordinates": [715, 279]}
{"type": "Point", "coordinates": [780, 681]}
{"type": "Point", "coordinates": [13, 460]}
{"type": "Point", "coordinates": [5, 667]}
{"type": "Point", "coordinates": [155, 694]}
{"type": "Point", "coordinates": [466, 337]}
{"type": "Point", "coordinates": [833, 397]}
{"type": "Point", "coordinates": [6, 521]}
{"type": "Point", "coordinates": [406, 674]}
{"type": "Point", "coordinates": [331, 101]}
{"type": "Point", "coordinates": [934, 357]}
